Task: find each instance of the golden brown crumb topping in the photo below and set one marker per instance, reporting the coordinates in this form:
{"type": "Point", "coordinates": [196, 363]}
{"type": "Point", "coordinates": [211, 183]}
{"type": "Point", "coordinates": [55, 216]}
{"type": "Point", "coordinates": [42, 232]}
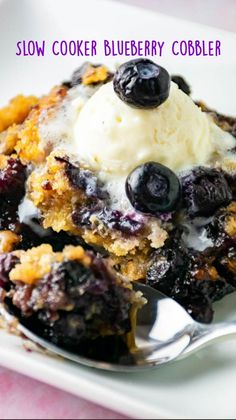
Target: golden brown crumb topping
{"type": "Point", "coordinates": [51, 192]}
{"type": "Point", "coordinates": [16, 111]}
{"type": "Point", "coordinates": [8, 240]}
{"type": "Point", "coordinates": [8, 139]}
{"type": "Point", "coordinates": [230, 222]}
{"type": "Point", "coordinates": [37, 262]}
{"type": "Point", "coordinates": [24, 138]}
{"type": "Point", "coordinates": [3, 161]}
{"type": "Point", "coordinates": [95, 74]}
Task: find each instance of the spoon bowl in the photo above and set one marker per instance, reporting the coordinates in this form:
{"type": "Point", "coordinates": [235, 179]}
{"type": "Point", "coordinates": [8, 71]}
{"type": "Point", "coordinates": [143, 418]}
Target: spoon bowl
{"type": "Point", "coordinates": [164, 332]}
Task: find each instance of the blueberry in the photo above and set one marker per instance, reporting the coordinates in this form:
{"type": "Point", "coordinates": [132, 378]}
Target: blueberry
{"type": "Point", "coordinates": [12, 178]}
{"type": "Point", "coordinates": [12, 189]}
{"type": "Point", "coordinates": [126, 224]}
{"type": "Point", "coordinates": [7, 263]}
{"type": "Point", "coordinates": [194, 279]}
{"type": "Point", "coordinates": [142, 83]}
{"type": "Point", "coordinates": [153, 188]}
{"type": "Point", "coordinates": [204, 191]}
{"type": "Point", "coordinates": [83, 179]}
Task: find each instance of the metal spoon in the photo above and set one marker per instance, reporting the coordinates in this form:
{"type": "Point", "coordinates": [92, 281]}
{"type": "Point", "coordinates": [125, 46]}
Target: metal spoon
{"type": "Point", "coordinates": [164, 332]}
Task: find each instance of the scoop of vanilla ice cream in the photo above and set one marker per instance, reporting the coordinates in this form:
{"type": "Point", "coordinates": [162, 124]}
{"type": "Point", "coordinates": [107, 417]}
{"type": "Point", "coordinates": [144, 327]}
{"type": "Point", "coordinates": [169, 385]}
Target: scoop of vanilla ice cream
{"type": "Point", "coordinates": [115, 138]}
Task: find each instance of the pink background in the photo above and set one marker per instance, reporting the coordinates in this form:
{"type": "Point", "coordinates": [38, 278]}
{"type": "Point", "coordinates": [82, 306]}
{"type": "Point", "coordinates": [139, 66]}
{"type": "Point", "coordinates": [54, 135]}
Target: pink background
{"type": "Point", "coordinates": [21, 397]}
{"type": "Point", "coordinates": [25, 398]}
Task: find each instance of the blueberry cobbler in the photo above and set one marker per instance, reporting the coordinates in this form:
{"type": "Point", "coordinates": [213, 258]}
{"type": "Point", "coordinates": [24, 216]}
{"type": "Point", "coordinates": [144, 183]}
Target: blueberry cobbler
{"type": "Point", "coordinates": [110, 179]}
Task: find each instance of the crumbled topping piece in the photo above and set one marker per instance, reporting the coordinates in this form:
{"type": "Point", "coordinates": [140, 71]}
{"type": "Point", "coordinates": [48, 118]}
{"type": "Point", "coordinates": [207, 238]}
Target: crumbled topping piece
{"type": "Point", "coordinates": [90, 74]}
{"type": "Point", "coordinates": [8, 240]}
{"type": "Point", "coordinates": [16, 111]}
{"type": "Point", "coordinates": [37, 262]}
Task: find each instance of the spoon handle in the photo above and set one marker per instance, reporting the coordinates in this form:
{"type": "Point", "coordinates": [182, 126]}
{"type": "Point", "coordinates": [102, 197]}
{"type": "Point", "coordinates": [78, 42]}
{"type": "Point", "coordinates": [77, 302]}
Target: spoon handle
{"type": "Point", "coordinates": [205, 335]}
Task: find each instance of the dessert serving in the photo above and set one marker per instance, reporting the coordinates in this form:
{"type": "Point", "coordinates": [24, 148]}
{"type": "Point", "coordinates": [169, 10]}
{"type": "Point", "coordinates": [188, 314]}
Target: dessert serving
{"type": "Point", "coordinates": [110, 179]}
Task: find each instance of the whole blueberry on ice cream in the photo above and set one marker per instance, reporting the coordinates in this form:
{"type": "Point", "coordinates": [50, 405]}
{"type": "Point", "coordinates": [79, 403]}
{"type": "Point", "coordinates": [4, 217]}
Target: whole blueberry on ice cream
{"type": "Point", "coordinates": [142, 83]}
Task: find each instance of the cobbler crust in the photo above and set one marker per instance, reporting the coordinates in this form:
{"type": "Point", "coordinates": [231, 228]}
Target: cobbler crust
{"type": "Point", "coordinates": [16, 111]}
{"type": "Point", "coordinates": [24, 138]}
{"type": "Point", "coordinates": [37, 262]}
{"type": "Point", "coordinates": [8, 240]}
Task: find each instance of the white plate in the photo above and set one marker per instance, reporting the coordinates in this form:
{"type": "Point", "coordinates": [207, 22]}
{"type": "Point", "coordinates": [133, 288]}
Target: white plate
{"type": "Point", "coordinates": [204, 386]}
